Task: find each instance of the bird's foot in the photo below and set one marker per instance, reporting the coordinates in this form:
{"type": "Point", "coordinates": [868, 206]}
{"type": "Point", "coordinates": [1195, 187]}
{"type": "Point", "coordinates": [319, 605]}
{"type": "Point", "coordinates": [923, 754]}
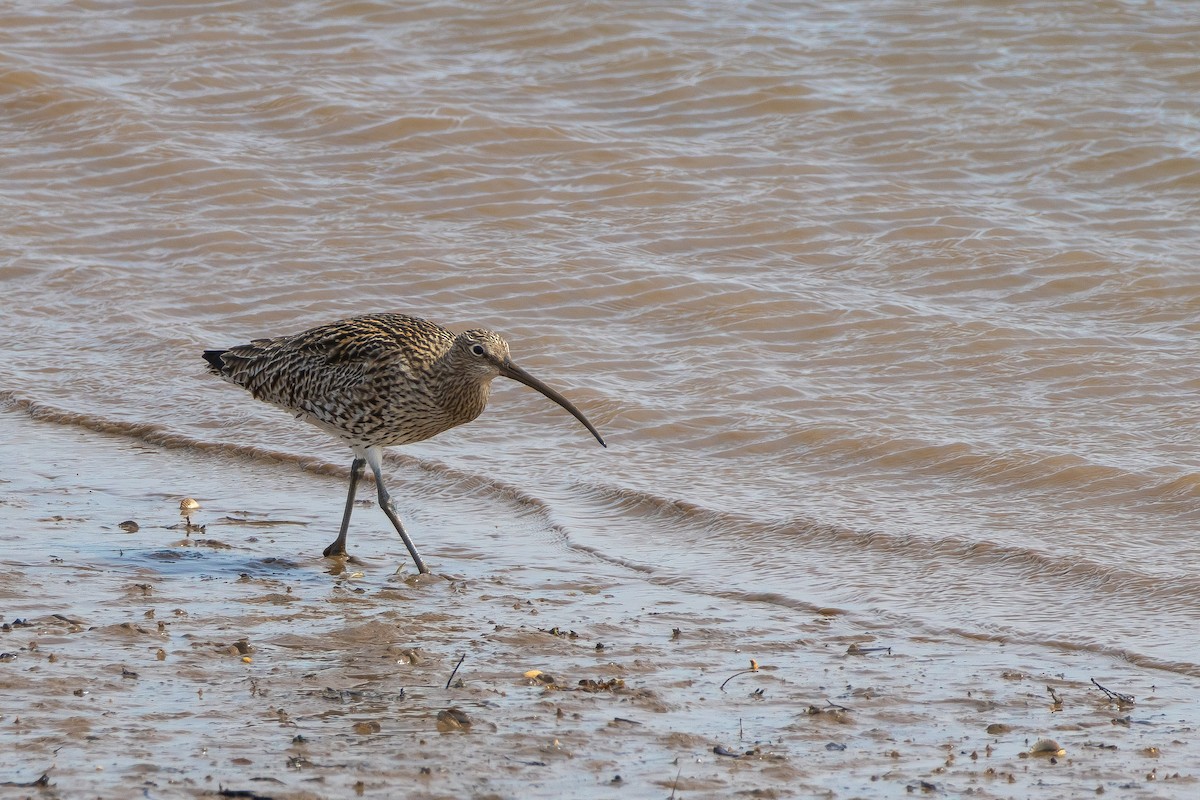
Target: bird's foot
{"type": "Point", "coordinates": [335, 550]}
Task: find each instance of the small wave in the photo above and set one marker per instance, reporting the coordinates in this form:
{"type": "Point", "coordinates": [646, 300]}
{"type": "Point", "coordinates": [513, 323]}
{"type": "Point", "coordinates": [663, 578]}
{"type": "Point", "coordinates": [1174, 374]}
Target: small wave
{"type": "Point", "coordinates": [1182, 488]}
{"type": "Point", "coordinates": [758, 535]}
{"type": "Point", "coordinates": [1086, 646]}
{"type": "Point", "coordinates": [158, 436]}
{"type": "Point", "coordinates": [749, 540]}
{"type": "Point", "coordinates": [1059, 587]}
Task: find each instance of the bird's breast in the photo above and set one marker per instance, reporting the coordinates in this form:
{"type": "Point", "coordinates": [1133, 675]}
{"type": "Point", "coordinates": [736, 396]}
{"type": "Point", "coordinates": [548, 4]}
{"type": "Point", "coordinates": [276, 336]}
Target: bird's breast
{"type": "Point", "coordinates": [421, 410]}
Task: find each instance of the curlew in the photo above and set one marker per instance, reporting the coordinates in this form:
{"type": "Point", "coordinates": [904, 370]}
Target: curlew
{"type": "Point", "coordinates": [375, 381]}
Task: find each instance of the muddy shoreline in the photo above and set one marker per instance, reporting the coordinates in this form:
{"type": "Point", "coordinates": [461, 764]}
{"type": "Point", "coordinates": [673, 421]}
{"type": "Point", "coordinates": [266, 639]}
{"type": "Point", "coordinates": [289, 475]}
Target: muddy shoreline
{"type": "Point", "coordinates": [234, 661]}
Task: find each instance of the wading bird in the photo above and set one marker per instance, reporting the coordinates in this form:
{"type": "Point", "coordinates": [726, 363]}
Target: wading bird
{"type": "Point", "coordinates": [375, 381]}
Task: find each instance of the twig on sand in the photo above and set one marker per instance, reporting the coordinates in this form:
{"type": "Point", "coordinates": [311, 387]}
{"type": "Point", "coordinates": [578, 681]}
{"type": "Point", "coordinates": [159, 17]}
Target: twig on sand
{"type": "Point", "coordinates": [455, 670]}
{"type": "Point", "coordinates": [1117, 697]}
{"type": "Point", "coordinates": [753, 668]}
{"type": "Point", "coordinates": [830, 708]}
{"type": "Point", "coordinates": [246, 793]}
{"type": "Point", "coordinates": [675, 784]}
{"type": "Point", "coordinates": [37, 784]}
{"type": "Point", "coordinates": [1057, 703]}
{"type": "Point", "coordinates": [855, 650]}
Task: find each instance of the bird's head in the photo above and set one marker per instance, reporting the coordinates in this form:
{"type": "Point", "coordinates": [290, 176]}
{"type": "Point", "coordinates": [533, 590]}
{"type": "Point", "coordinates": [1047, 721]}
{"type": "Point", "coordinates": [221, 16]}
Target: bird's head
{"type": "Point", "coordinates": [481, 354]}
{"type": "Point", "coordinates": [484, 355]}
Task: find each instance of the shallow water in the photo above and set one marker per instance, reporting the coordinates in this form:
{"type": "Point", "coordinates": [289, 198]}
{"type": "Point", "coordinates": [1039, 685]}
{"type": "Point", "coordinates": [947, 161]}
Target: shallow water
{"type": "Point", "coordinates": [885, 309]}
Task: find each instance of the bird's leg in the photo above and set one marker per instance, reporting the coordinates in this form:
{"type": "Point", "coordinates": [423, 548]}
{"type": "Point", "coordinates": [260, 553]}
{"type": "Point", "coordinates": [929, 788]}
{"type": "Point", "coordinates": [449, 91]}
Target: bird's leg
{"type": "Point", "coordinates": [375, 459]}
{"type": "Point", "coordinates": [338, 548]}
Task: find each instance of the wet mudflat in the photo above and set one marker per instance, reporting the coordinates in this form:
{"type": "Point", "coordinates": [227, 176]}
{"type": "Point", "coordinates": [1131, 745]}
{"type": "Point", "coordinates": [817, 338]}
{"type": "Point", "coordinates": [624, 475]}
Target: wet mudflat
{"type": "Point", "coordinates": [228, 659]}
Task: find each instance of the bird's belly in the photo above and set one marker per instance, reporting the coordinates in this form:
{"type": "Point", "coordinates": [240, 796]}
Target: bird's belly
{"type": "Point", "coordinates": [388, 427]}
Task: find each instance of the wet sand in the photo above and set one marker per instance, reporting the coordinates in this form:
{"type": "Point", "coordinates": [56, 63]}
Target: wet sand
{"type": "Point", "coordinates": [231, 660]}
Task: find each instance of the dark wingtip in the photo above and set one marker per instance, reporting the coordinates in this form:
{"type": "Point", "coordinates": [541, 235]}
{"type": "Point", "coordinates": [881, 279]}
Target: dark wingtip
{"type": "Point", "coordinates": [213, 357]}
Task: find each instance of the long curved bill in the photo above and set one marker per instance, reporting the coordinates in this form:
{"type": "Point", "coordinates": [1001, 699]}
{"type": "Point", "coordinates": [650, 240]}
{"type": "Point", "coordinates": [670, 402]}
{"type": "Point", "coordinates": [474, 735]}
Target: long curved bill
{"type": "Point", "coordinates": [511, 370]}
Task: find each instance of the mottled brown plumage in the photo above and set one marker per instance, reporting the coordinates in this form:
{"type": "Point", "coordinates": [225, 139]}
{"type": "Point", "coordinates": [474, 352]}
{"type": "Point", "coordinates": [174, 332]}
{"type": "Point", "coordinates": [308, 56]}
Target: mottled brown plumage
{"type": "Point", "coordinates": [376, 381]}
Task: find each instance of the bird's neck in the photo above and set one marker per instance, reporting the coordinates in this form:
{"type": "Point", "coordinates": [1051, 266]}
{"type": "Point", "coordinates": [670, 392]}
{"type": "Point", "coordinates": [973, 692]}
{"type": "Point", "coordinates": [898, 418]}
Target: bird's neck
{"type": "Point", "coordinates": [464, 399]}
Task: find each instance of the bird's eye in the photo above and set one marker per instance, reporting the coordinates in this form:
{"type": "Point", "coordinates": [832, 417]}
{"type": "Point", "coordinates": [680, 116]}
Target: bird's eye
{"type": "Point", "coordinates": [477, 349]}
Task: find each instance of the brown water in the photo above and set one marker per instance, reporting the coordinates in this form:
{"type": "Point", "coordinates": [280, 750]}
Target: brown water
{"type": "Point", "coordinates": [881, 307]}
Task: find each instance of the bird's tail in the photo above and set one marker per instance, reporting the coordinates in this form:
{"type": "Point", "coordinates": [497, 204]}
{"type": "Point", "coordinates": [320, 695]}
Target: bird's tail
{"type": "Point", "coordinates": [215, 364]}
